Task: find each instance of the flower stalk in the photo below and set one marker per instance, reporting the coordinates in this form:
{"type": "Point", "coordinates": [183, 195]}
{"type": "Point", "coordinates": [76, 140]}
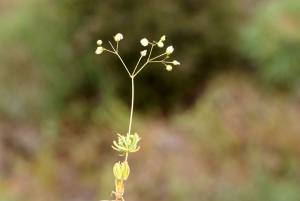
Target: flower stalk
{"type": "Point", "coordinates": [129, 143]}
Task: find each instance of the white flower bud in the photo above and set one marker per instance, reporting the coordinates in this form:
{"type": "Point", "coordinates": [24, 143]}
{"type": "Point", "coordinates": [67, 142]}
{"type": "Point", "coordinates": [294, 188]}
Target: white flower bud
{"type": "Point", "coordinates": [160, 44]}
{"type": "Point", "coordinates": [163, 38]}
{"type": "Point", "coordinates": [118, 37]}
{"type": "Point", "coordinates": [99, 42]}
{"type": "Point", "coordinates": [99, 50]}
{"type": "Point", "coordinates": [169, 67]}
{"type": "Point", "coordinates": [144, 42]}
{"type": "Point", "coordinates": [175, 63]}
{"type": "Point", "coordinates": [144, 53]}
{"type": "Point", "coordinates": [169, 50]}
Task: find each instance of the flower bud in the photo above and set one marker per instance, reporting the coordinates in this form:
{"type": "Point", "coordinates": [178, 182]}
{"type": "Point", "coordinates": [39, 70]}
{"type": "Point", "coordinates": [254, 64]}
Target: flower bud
{"type": "Point", "coordinates": [117, 171]}
{"type": "Point", "coordinates": [126, 170]}
{"type": "Point", "coordinates": [175, 63]}
{"type": "Point", "coordinates": [169, 67]}
{"type": "Point", "coordinates": [144, 53]}
{"type": "Point", "coordinates": [118, 37]}
{"type": "Point", "coordinates": [99, 42]}
{"type": "Point", "coordinates": [144, 42]}
{"type": "Point", "coordinates": [169, 50]}
{"type": "Point", "coordinates": [160, 44]}
{"type": "Point", "coordinates": [99, 50]}
{"type": "Point", "coordinates": [163, 38]}
{"type": "Point", "coordinates": [121, 170]}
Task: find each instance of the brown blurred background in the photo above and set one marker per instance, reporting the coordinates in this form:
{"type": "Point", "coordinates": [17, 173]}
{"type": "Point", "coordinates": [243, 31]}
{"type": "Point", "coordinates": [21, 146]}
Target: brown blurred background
{"type": "Point", "coordinates": [222, 126]}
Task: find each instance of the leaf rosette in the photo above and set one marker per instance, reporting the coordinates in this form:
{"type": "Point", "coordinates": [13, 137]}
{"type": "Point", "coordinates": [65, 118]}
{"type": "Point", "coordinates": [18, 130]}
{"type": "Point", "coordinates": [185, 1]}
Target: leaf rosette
{"type": "Point", "coordinates": [127, 143]}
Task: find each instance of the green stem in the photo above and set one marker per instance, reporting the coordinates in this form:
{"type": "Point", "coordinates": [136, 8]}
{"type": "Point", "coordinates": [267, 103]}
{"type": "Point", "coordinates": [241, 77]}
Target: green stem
{"type": "Point", "coordinates": [131, 112]}
{"type": "Point", "coordinates": [132, 99]}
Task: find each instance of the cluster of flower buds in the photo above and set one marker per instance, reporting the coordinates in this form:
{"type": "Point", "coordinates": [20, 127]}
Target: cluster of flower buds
{"type": "Point", "coordinates": [121, 170]}
{"type": "Point", "coordinates": [175, 63]}
{"type": "Point", "coordinates": [160, 44]}
{"type": "Point", "coordinates": [127, 144]}
{"type": "Point", "coordinates": [99, 49]}
{"type": "Point", "coordinates": [118, 37]}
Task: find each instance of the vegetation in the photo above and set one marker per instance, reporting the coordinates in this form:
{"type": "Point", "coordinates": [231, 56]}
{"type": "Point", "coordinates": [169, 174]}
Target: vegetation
{"type": "Point", "coordinates": [211, 129]}
{"type": "Point", "coordinates": [271, 39]}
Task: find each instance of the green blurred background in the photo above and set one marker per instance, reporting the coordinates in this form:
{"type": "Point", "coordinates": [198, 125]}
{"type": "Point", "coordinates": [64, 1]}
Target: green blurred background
{"type": "Point", "coordinates": [222, 126]}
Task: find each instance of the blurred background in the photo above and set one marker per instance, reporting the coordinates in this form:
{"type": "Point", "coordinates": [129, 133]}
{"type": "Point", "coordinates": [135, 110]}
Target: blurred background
{"type": "Point", "coordinates": [222, 126]}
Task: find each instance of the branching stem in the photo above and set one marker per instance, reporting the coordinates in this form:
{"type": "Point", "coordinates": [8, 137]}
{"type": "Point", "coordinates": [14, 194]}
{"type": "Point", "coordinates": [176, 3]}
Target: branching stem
{"type": "Point", "coordinates": [109, 51]}
{"type": "Point", "coordinates": [150, 52]}
{"type": "Point", "coordinates": [158, 61]}
{"type": "Point", "coordinates": [112, 46]}
{"type": "Point", "coordinates": [158, 56]}
{"type": "Point", "coordinates": [137, 65]}
{"type": "Point", "coordinates": [140, 69]}
{"type": "Point", "coordinates": [123, 64]}
{"type": "Point", "coordinates": [116, 52]}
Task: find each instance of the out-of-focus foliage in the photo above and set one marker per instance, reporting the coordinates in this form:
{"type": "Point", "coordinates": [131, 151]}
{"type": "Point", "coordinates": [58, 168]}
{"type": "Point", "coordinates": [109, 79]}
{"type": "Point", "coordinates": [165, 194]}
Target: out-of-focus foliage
{"type": "Point", "coordinates": [60, 38]}
{"type": "Point", "coordinates": [43, 49]}
{"type": "Point", "coordinates": [272, 40]}
{"type": "Point", "coordinates": [234, 143]}
{"type": "Point", "coordinates": [246, 138]}
{"type": "Point", "coordinates": [202, 32]}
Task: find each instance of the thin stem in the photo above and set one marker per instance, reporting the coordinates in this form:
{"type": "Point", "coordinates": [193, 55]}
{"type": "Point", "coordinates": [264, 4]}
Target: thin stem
{"type": "Point", "coordinates": [109, 51]}
{"type": "Point", "coordinates": [166, 58]}
{"type": "Point", "coordinates": [120, 58]}
{"type": "Point", "coordinates": [132, 100]}
{"type": "Point", "coordinates": [158, 56]}
{"type": "Point", "coordinates": [137, 65]}
{"type": "Point", "coordinates": [117, 46]}
{"type": "Point", "coordinates": [140, 69]}
{"type": "Point", "coordinates": [131, 112]}
{"type": "Point", "coordinates": [112, 46]}
{"type": "Point", "coordinates": [156, 61]}
{"type": "Point", "coordinates": [150, 52]}
{"type": "Point", "coordinates": [123, 64]}
{"type": "Point", "coordinates": [148, 60]}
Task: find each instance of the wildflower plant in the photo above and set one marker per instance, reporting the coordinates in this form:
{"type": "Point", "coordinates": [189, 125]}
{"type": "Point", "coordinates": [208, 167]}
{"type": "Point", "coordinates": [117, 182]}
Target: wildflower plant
{"type": "Point", "coordinates": [129, 143]}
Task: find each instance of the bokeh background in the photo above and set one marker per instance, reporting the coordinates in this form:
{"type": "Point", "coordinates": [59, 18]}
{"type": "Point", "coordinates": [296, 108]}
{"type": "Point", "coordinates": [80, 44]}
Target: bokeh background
{"type": "Point", "coordinates": [222, 126]}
